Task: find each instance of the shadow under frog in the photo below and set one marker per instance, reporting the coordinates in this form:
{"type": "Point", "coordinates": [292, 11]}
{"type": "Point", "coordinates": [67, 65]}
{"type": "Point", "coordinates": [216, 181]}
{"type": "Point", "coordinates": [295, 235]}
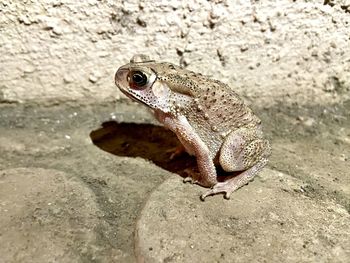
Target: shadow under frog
{"type": "Point", "coordinates": [151, 142]}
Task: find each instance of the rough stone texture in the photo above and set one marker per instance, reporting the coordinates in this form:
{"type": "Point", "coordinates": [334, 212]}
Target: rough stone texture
{"type": "Point", "coordinates": [260, 223]}
{"type": "Point", "coordinates": [269, 51]}
{"type": "Point", "coordinates": [44, 207]}
{"type": "Point", "coordinates": [57, 203]}
{"type": "Point", "coordinates": [62, 199]}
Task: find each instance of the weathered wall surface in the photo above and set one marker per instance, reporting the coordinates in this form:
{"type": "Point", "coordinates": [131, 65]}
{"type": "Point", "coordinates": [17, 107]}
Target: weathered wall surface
{"type": "Point", "coordinates": [269, 51]}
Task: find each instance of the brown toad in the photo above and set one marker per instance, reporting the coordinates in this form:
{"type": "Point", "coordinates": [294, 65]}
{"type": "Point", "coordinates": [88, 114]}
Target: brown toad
{"type": "Point", "coordinates": [208, 117]}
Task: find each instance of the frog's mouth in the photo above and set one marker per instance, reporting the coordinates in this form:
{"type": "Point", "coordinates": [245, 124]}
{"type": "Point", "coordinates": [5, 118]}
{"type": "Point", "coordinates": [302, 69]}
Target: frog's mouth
{"type": "Point", "coordinates": [132, 96]}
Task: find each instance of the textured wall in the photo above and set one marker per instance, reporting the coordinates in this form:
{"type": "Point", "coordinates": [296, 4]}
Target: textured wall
{"type": "Point", "coordinates": [53, 51]}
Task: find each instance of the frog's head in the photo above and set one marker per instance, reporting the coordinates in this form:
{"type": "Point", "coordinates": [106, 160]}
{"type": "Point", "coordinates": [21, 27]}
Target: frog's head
{"type": "Point", "coordinates": [156, 85]}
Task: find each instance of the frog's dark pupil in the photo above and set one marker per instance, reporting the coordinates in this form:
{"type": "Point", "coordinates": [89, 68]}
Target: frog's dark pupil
{"type": "Point", "coordinates": [139, 78]}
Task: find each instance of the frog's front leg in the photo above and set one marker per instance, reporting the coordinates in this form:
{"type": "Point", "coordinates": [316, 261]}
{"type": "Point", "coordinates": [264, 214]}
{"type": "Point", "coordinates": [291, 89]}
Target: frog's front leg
{"type": "Point", "coordinates": [243, 150]}
{"type": "Point", "coordinates": [194, 146]}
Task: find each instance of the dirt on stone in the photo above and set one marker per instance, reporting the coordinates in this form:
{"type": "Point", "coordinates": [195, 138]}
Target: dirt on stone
{"type": "Point", "coordinates": [94, 183]}
{"type": "Point", "coordinates": [85, 175]}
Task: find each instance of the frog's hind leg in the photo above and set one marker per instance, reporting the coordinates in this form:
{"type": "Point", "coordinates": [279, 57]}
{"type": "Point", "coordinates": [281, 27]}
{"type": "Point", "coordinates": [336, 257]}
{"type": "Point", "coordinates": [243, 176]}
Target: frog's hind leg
{"type": "Point", "coordinates": [244, 150]}
{"type": "Point", "coordinates": [233, 183]}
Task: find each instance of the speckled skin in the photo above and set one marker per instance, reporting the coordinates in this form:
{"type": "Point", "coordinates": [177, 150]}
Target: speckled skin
{"type": "Point", "coordinates": [208, 117]}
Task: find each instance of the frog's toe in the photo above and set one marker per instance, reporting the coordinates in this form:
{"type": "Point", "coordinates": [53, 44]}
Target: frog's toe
{"type": "Point", "coordinates": [176, 152]}
{"type": "Point", "coordinates": [227, 195]}
{"type": "Point", "coordinates": [218, 189]}
{"type": "Point", "coordinates": [192, 177]}
{"type": "Point", "coordinates": [189, 179]}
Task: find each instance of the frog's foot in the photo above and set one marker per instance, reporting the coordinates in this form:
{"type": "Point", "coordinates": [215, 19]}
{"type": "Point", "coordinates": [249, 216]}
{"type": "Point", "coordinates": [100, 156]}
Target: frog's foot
{"type": "Point", "coordinates": [189, 179]}
{"type": "Point", "coordinates": [193, 176]}
{"type": "Point", "coordinates": [233, 183]}
{"type": "Point", "coordinates": [176, 151]}
{"type": "Point", "coordinates": [222, 187]}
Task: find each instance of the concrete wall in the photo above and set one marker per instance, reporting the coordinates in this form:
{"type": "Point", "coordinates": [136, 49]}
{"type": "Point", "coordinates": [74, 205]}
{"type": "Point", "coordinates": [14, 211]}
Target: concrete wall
{"type": "Point", "coordinates": [269, 51]}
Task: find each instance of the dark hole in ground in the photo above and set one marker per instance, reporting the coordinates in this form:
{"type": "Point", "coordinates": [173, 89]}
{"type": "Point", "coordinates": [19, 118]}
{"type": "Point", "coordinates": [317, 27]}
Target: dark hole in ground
{"type": "Point", "coordinates": [151, 142]}
{"type": "Point", "coordinates": [147, 141]}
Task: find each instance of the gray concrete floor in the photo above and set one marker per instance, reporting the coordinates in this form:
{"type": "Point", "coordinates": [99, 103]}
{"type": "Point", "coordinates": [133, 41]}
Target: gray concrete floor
{"type": "Point", "coordinates": [95, 184]}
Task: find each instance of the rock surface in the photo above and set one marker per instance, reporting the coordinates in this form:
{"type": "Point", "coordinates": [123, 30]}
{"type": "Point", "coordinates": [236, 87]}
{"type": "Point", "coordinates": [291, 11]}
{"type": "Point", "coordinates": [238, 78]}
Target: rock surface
{"type": "Point", "coordinates": [64, 199]}
{"type": "Point", "coordinates": [269, 51]}
{"type": "Point", "coordinates": [45, 208]}
{"type": "Point", "coordinates": [86, 180]}
{"type": "Point", "coordinates": [260, 224]}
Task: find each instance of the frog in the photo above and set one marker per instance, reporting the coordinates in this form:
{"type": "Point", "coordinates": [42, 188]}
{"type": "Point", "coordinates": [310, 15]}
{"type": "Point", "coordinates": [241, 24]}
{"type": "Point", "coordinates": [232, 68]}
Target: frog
{"type": "Point", "coordinates": [211, 121]}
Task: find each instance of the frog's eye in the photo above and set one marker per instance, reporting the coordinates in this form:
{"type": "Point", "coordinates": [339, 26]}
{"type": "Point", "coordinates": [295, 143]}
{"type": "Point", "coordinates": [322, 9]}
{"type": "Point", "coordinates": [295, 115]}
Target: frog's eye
{"type": "Point", "coordinates": [137, 79]}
